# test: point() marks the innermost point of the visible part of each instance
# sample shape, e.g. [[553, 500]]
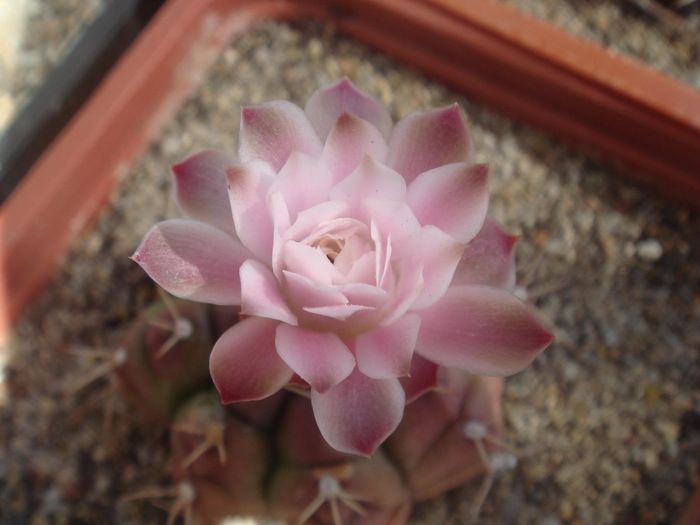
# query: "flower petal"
[[386, 351], [273, 130], [193, 260], [244, 363], [320, 358], [422, 377], [247, 190], [304, 182], [351, 140], [370, 180], [364, 294], [481, 330], [200, 183], [454, 198], [327, 103], [308, 261], [260, 293], [428, 139], [439, 255], [340, 312], [308, 221], [303, 291], [357, 415], [488, 259], [393, 218], [409, 285]]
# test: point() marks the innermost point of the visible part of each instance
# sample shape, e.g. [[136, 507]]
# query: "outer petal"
[[320, 358], [488, 259], [260, 293], [386, 351], [200, 183], [481, 330], [273, 130], [327, 103], [425, 140], [370, 180], [193, 260], [244, 364], [247, 190], [439, 255], [454, 198], [357, 415], [349, 142]]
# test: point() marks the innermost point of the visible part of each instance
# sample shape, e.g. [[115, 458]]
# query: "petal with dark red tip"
[[244, 363], [357, 415], [351, 140], [200, 188], [455, 198], [482, 330], [327, 103], [193, 260], [488, 259], [272, 131], [428, 139]]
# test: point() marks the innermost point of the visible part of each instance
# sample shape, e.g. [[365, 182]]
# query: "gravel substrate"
[[607, 419], [672, 48]]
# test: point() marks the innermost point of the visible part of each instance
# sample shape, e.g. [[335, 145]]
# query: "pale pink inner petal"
[[327, 103], [364, 294], [308, 221], [273, 130], [363, 270], [303, 291], [386, 351], [308, 261], [339, 312], [280, 225], [200, 181], [261, 295], [392, 218], [358, 414], [320, 358], [370, 180], [193, 260], [247, 189], [353, 249], [425, 140], [439, 255], [244, 363], [482, 330], [488, 259], [409, 284], [304, 181], [351, 140], [454, 198]]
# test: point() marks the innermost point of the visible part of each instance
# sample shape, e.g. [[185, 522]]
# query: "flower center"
[[330, 246]]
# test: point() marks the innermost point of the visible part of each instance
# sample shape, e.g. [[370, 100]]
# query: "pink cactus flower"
[[360, 253]]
